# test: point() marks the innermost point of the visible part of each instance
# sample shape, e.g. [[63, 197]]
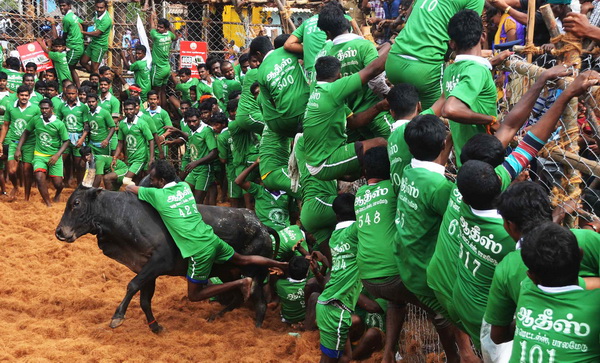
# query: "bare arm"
[[293, 45], [151, 147], [579, 25], [22, 139], [361, 119], [375, 67], [457, 111], [117, 153], [105, 142], [59, 153], [241, 179], [212, 155], [42, 44], [132, 188], [368, 304], [502, 334]]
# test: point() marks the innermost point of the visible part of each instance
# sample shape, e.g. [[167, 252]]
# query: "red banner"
[[191, 53], [32, 52]]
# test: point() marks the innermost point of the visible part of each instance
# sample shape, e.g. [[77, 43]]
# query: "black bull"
[[131, 232]]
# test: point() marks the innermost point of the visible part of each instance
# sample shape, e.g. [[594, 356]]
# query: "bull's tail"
[[275, 235]]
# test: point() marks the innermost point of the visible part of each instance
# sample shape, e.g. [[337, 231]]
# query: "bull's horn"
[[90, 174]]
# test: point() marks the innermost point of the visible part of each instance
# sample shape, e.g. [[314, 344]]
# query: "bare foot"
[[247, 288]]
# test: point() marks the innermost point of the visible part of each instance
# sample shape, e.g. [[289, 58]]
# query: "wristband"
[[507, 9], [593, 227], [494, 120]]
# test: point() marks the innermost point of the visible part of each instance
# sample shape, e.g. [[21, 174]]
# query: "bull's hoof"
[[156, 328], [116, 322], [213, 317]]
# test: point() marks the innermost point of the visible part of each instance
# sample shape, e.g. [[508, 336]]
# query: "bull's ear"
[[94, 192]]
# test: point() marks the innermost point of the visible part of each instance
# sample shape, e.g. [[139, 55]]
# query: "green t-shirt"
[[73, 117], [177, 207], [104, 24], [161, 46], [18, 119], [375, 208], [160, 118], [589, 242], [100, 121], [204, 88], [225, 149], [135, 137], [244, 143], [104, 162], [273, 210], [283, 87], [60, 65], [422, 200], [325, 119], [291, 295], [201, 142], [239, 75], [343, 285], [311, 186], [141, 75], [271, 150], [57, 103], [288, 239], [470, 80], [425, 35], [483, 244], [71, 27], [110, 104], [556, 326], [228, 86], [184, 88], [355, 53], [4, 96], [49, 136], [15, 79], [398, 153]]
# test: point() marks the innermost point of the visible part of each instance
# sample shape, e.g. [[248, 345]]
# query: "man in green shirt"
[[468, 85], [417, 56], [226, 151], [74, 114], [183, 87], [162, 38], [135, 138], [242, 67], [556, 319], [12, 70], [111, 175], [102, 127], [195, 239], [160, 119], [51, 140], [71, 28], [228, 84], [98, 47], [140, 69], [271, 206], [338, 300], [290, 290], [109, 102], [16, 117], [59, 58], [328, 155], [3, 101]]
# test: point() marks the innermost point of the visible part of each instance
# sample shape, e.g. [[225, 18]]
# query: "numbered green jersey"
[[49, 134], [289, 238], [375, 208], [161, 46], [398, 152], [100, 122], [135, 137], [470, 80], [74, 116], [15, 78], [422, 200], [556, 324], [344, 285], [425, 35], [272, 207], [177, 207], [283, 87]]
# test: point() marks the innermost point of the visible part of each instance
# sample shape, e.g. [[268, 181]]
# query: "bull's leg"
[[237, 300], [146, 294], [148, 273], [260, 302]]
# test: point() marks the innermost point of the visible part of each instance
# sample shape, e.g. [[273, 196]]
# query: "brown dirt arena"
[[56, 300]]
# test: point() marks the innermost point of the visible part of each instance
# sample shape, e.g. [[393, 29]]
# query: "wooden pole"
[[530, 27], [285, 17]]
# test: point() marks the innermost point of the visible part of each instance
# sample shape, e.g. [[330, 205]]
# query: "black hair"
[[105, 79], [483, 147], [244, 58], [465, 29], [298, 267], [91, 95], [28, 75], [51, 84], [71, 86], [280, 40], [129, 101], [13, 63], [201, 65], [152, 93], [403, 99], [86, 89], [59, 41], [327, 67], [254, 86], [189, 103], [39, 84], [376, 163], [101, 1], [104, 69], [343, 206], [68, 2], [94, 75], [210, 61], [3, 75], [225, 61], [47, 101], [164, 22], [186, 71], [191, 112], [552, 254], [53, 71], [232, 105], [85, 150], [88, 83], [260, 44], [526, 204], [31, 65], [332, 19], [425, 136], [164, 170], [23, 88], [479, 184], [205, 106], [136, 100], [234, 95], [141, 48], [218, 118]]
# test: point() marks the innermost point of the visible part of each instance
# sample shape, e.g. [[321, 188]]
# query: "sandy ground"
[[56, 300]]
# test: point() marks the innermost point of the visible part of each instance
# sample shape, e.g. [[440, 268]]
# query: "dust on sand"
[[56, 300]]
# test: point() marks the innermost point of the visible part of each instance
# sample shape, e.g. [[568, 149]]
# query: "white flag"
[[144, 41]]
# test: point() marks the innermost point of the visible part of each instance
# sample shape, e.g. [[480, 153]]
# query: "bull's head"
[[77, 218]]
